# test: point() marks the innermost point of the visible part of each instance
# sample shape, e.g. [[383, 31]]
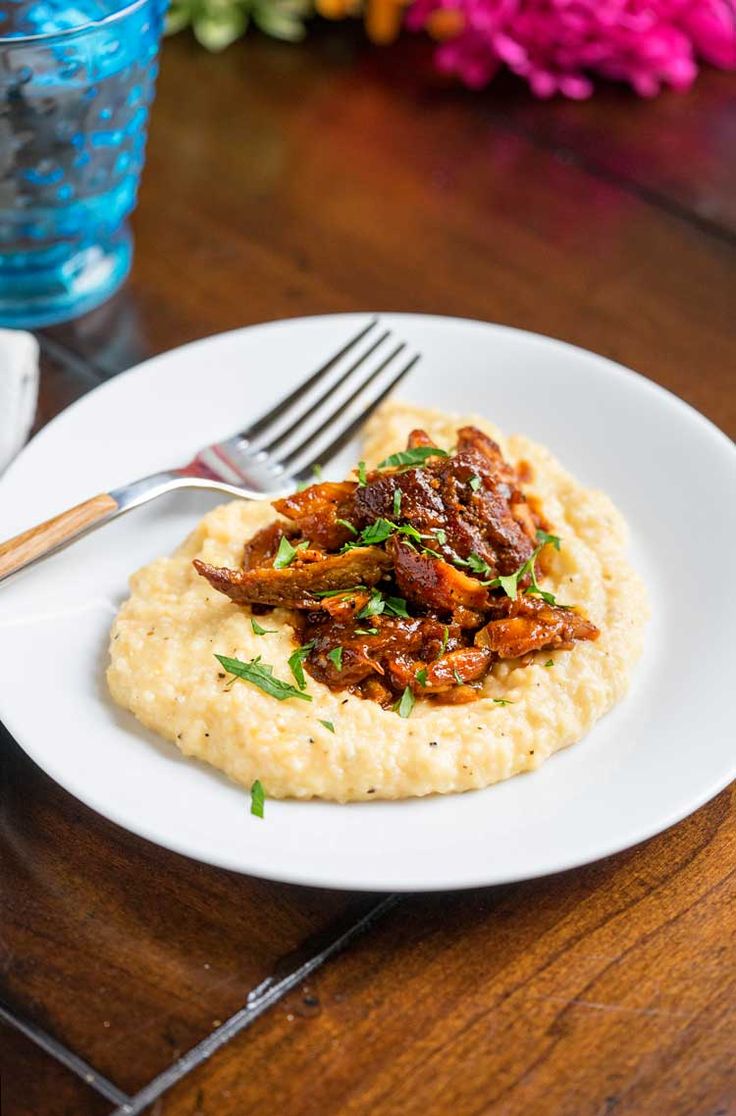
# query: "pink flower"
[[558, 45]]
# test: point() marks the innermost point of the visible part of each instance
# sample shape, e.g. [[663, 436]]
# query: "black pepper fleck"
[[371, 790], [433, 743]]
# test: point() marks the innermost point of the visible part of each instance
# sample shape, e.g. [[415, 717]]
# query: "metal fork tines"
[[316, 419]]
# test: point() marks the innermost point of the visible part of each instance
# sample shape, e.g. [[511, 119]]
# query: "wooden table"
[[333, 176]]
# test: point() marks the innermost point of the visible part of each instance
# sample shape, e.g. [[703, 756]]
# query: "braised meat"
[[533, 625], [417, 580], [316, 511], [296, 586]]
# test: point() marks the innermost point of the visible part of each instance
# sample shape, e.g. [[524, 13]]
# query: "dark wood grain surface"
[[334, 176], [32, 1081]]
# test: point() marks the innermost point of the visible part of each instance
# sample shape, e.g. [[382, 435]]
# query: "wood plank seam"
[[646, 194], [258, 1001], [50, 1045]]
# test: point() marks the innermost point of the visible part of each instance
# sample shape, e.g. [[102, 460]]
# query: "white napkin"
[[18, 390]]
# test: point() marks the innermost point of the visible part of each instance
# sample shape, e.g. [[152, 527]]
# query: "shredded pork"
[[394, 583]]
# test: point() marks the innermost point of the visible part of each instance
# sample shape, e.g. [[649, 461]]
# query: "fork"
[[282, 448]]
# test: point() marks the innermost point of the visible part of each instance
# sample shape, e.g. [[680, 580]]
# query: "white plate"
[[665, 750]]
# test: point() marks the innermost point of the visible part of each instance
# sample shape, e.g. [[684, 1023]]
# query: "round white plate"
[[665, 750]]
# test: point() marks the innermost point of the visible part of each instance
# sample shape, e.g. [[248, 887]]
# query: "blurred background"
[[339, 173]]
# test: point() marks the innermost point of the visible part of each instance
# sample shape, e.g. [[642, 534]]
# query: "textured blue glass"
[[76, 82]]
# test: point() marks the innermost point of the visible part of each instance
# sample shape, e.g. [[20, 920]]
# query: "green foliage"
[[218, 23]]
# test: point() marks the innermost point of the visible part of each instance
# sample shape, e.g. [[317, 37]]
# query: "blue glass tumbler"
[[76, 82]]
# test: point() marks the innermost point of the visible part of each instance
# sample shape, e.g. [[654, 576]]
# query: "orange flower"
[[383, 18]]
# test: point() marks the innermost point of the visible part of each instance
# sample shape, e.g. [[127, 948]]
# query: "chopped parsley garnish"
[[477, 565], [362, 475], [374, 607], [535, 588], [411, 532], [510, 582], [261, 675], [503, 701], [328, 725], [378, 532], [474, 483], [286, 553], [338, 592], [257, 799], [411, 457], [553, 540], [458, 679], [445, 637], [335, 656], [346, 523], [440, 535], [366, 631], [258, 630], [397, 501], [549, 663], [397, 606], [378, 604], [296, 659], [405, 704], [421, 676]]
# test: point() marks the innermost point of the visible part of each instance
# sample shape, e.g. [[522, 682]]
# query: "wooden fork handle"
[[55, 533]]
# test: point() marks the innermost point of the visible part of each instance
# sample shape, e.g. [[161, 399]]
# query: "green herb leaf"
[[411, 457], [477, 565], [474, 483], [445, 637], [338, 592], [335, 656], [346, 523], [257, 799], [458, 679], [258, 630], [503, 701], [261, 675], [397, 502], [328, 725], [553, 540], [374, 607], [548, 598], [440, 535], [535, 589], [296, 660], [421, 676], [396, 606], [549, 663], [411, 532], [317, 470], [366, 631], [286, 553], [405, 704], [362, 475], [510, 582], [377, 532]]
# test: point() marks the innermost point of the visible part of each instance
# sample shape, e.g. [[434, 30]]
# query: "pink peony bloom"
[[558, 45]]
